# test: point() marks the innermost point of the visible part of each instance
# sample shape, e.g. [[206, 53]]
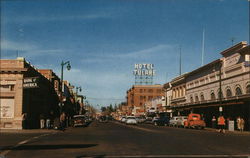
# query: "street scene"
[[115, 78]]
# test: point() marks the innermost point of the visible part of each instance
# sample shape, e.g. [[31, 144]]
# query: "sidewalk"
[[231, 132], [28, 131]]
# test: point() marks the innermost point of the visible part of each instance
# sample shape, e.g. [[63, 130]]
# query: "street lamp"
[[62, 90]]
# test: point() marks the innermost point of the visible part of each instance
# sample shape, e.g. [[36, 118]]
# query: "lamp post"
[[62, 84]]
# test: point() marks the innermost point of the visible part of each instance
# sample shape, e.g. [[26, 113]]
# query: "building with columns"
[[221, 87]]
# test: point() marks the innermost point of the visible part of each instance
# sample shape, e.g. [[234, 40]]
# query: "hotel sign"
[[31, 82], [144, 70]]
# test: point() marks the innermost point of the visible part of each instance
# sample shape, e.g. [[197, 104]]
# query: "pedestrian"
[[24, 120], [238, 122], [242, 124], [214, 122], [42, 121], [62, 121], [48, 123], [221, 124]]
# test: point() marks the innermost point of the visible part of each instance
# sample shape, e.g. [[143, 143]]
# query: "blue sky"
[[103, 39]]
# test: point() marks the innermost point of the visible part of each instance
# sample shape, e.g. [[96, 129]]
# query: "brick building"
[[138, 95]]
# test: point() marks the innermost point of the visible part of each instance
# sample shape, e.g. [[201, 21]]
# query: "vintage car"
[[79, 120], [194, 121]]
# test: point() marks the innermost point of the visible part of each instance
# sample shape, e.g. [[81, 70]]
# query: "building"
[[138, 95], [220, 87], [26, 95]]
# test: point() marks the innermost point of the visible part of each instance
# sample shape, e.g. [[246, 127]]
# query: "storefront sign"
[[31, 82]]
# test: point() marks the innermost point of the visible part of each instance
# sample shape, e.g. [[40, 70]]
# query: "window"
[[158, 90], [141, 90], [229, 93], [196, 98], [213, 96], [238, 91], [202, 97], [150, 90], [220, 94], [191, 99], [248, 89], [141, 97]]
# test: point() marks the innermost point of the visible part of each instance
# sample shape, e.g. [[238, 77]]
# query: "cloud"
[[27, 49], [146, 53]]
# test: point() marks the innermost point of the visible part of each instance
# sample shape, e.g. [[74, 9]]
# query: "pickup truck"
[[194, 121]]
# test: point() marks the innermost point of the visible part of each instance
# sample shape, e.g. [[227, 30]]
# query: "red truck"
[[194, 121]]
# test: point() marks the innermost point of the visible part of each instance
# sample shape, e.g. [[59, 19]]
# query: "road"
[[119, 140]]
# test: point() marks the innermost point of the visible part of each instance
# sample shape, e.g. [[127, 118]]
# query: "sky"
[[103, 39]]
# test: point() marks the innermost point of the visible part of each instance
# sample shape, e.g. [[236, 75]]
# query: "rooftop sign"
[[144, 70]]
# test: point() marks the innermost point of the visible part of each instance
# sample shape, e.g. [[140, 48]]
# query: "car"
[[79, 120], [131, 120], [148, 120], [103, 119], [124, 118], [173, 121], [161, 121], [181, 120], [140, 119], [194, 121]]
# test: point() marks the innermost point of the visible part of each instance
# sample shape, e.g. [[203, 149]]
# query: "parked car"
[[181, 120], [148, 120], [140, 119], [173, 121], [194, 121], [79, 120], [161, 121], [124, 118], [103, 119], [131, 120]]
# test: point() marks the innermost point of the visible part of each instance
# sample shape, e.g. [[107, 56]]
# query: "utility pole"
[[180, 61], [203, 48]]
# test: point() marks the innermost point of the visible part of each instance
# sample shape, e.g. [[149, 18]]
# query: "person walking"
[[221, 124], [242, 124], [213, 122], [42, 121], [238, 122], [62, 121]]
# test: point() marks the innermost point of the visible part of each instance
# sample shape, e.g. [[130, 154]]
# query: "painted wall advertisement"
[[6, 107]]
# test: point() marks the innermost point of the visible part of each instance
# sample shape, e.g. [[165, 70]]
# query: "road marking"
[[5, 152]]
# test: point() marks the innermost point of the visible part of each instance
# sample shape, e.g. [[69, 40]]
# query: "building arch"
[[228, 92], [191, 99], [196, 98], [220, 93], [238, 90], [212, 95], [248, 88], [202, 96]]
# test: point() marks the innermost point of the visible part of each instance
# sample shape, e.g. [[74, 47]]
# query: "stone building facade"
[[25, 96], [221, 87]]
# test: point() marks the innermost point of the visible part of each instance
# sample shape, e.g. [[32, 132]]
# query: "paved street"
[[114, 139]]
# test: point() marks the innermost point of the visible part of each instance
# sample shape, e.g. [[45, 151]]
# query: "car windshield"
[[124, 78]]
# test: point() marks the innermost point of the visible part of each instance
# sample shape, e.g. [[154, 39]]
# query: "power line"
[[92, 98]]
